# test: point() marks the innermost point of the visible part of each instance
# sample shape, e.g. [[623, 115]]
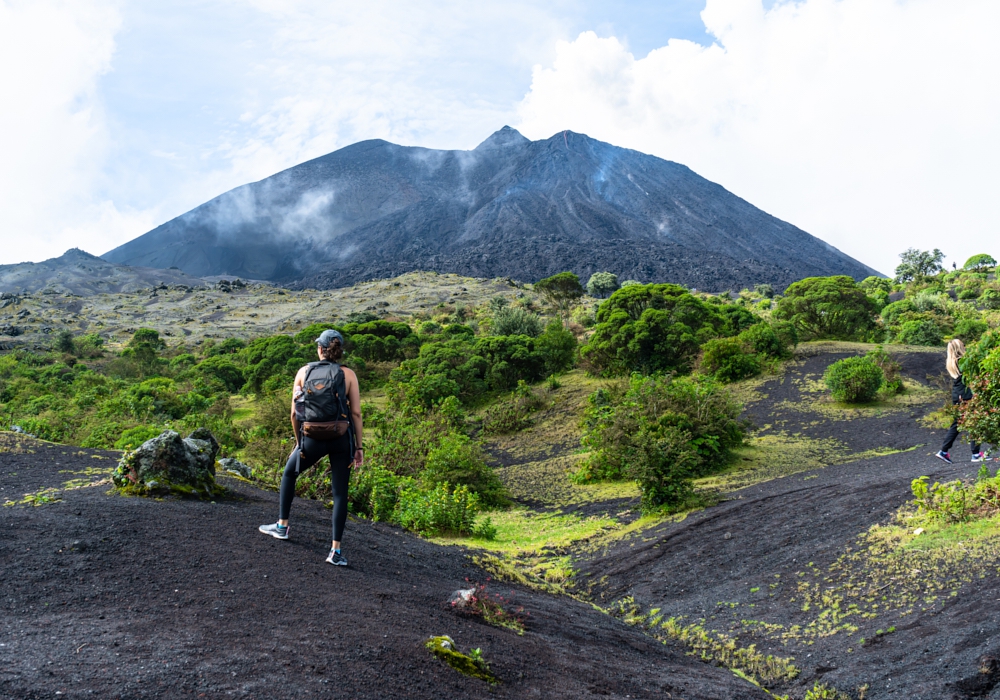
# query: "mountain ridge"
[[511, 207]]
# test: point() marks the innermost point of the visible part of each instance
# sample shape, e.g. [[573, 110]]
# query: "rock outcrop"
[[185, 466]]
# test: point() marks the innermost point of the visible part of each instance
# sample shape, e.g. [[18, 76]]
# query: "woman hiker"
[[324, 426], [959, 393]]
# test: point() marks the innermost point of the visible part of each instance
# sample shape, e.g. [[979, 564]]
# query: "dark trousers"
[[313, 451], [952, 435]]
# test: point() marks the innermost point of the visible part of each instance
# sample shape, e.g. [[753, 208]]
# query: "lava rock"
[[10, 330], [169, 462], [235, 466], [462, 597]]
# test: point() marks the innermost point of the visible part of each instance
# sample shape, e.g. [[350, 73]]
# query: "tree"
[[834, 308], [979, 263], [602, 284], [918, 264], [144, 346], [651, 328], [561, 289]]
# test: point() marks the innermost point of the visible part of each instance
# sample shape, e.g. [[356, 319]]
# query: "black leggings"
[[952, 435], [313, 451]]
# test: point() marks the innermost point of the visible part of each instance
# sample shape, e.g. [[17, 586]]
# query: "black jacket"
[[960, 392]]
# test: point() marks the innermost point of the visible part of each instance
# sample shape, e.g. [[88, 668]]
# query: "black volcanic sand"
[[113, 597], [697, 568]]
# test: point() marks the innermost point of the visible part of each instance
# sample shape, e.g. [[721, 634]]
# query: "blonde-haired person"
[[959, 393]]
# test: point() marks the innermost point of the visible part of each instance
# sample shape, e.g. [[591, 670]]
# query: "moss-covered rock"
[[171, 464], [472, 665]]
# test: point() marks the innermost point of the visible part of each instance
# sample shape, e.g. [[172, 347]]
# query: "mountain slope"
[[511, 207], [77, 272]]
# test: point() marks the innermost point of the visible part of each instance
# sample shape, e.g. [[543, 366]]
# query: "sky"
[[872, 124]]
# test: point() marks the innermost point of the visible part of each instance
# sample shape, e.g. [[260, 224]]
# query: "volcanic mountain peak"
[[510, 207]]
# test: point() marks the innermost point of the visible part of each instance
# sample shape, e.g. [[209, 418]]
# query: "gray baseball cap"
[[327, 337]]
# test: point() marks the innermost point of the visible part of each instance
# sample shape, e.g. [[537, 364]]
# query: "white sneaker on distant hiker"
[[275, 530], [945, 456], [979, 456]]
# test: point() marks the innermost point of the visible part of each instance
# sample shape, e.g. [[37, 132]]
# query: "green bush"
[[919, 333], [892, 383], [650, 328], [514, 320], [557, 346], [834, 308], [764, 339], [854, 380], [439, 511], [990, 298], [894, 313], [970, 329], [459, 461], [374, 492], [661, 431], [730, 359], [133, 437]]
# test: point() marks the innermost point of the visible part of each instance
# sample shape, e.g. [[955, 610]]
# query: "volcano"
[[511, 207]]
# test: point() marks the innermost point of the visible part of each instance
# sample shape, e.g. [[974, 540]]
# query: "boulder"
[[235, 466], [169, 462]]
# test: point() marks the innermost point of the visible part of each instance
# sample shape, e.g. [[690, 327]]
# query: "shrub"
[[459, 461], [892, 384], [729, 359], [602, 284], [133, 437], [64, 342], [927, 300], [222, 368], [739, 318], [854, 380], [990, 298], [89, 346], [630, 283], [765, 290], [893, 313], [919, 333], [661, 431], [834, 308], [762, 338], [374, 492], [514, 320], [557, 346], [650, 328], [981, 367], [970, 329], [440, 511]]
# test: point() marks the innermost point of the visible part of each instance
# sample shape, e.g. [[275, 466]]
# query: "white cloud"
[[869, 123], [52, 130]]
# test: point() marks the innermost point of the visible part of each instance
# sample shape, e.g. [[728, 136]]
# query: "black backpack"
[[322, 409]]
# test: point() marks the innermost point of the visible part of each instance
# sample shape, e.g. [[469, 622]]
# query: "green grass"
[[522, 531]]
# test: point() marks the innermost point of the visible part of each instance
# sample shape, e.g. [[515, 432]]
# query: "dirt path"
[[112, 597]]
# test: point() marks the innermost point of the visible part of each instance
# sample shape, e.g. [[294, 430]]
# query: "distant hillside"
[[77, 272], [510, 208]]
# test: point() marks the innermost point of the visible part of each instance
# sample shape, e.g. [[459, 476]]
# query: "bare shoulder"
[[349, 374], [300, 376]]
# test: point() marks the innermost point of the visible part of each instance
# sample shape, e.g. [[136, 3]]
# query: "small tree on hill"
[[561, 289], [979, 263], [602, 284], [918, 264]]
